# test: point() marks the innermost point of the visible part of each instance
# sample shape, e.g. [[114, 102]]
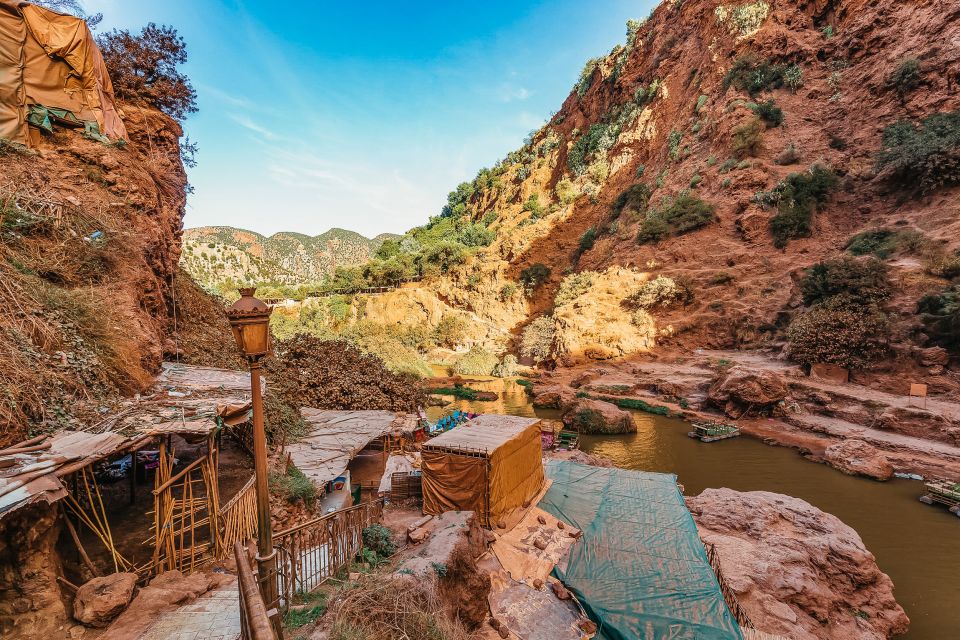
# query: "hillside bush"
[[941, 315], [797, 197], [507, 367], [862, 281], [944, 265], [922, 158], [573, 286], [534, 275], [586, 76], [566, 191], [753, 76], [294, 486], [660, 293], [587, 240], [144, 68], [445, 255], [451, 331], [507, 291], [532, 204], [476, 235], [906, 76], [634, 198], [673, 144], [839, 332], [747, 139], [457, 200], [475, 362], [537, 339], [882, 243], [793, 77], [675, 216], [597, 138], [769, 112]]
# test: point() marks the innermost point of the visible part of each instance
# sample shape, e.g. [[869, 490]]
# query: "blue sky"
[[363, 115]]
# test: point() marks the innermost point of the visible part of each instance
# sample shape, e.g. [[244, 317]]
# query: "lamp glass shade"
[[250, 323]]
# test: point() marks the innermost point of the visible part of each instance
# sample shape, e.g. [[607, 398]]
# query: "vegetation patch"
[[921, 158], [537, 340], [634, 198], [862, 282], [839, 332], [475, 362], [882, 243], [660, 293], [573, 286], [940, 313], [294, 486], [747, 138], [534, 276], [905, 77], [675, 216], [797, 197], [769, 112], [753, 76]]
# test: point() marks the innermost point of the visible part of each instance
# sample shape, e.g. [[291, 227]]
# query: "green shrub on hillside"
[[906, 76], [882, 243], [793, 77], [537, 339], [597, 138], [476, 362], [941, 315], [586, 76], [534, 275], [675, 216], [839, 332], [294, 486], [457, 200], [507, 367], [634, 198], [660, 293], [797, 197], [587, 240], [944, 265], [476, 235], [451, 331], [769, 112], [747, 139], [922, 158], [507, 291], [863, 281], [445, 255], [566, 191], [573, 286], [533, 205], [753, 76]]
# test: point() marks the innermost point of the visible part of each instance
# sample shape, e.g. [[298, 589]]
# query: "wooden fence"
[[731, 598], [310, 553], [255, 621], [238, 518]]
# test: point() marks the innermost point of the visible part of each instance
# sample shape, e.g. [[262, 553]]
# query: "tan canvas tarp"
[[51, 59], [491, 465]]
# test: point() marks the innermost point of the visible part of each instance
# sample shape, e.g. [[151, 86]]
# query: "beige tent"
[[491, 465], [51, 60]]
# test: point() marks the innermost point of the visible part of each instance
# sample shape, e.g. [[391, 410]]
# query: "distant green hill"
[[218, 255]]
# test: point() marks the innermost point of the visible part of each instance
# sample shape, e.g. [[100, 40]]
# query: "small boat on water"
[[713, 431]]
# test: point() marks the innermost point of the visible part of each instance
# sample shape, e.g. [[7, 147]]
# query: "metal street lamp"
[[250, 323]]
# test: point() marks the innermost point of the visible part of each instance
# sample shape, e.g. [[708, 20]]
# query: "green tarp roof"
[[640, 570]]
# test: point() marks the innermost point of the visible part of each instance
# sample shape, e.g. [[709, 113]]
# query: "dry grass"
[[393, 608]]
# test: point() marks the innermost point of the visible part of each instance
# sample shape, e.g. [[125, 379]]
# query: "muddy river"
[[917, 545]]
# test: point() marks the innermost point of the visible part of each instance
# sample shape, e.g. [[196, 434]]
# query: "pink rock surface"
[[797, 571], [856, 457]]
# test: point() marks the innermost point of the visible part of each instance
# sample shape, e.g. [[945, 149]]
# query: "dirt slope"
[[89, 247]]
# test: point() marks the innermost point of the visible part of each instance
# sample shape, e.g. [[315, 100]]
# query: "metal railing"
[[731, 598], [255, 621], [309, 553]]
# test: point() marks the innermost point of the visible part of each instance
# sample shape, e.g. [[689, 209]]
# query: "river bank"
[[913, 543]]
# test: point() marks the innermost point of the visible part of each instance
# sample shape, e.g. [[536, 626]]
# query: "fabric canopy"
[[491, 465], [640, 569], [51, 59]]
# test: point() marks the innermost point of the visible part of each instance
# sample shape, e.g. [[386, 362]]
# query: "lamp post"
[[250, 323]]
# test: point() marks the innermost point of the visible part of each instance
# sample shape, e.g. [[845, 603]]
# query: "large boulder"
[[798, 572], [934, 356], [598, 417], [554, 396], [856, 457], [742, 389], [102, 599]]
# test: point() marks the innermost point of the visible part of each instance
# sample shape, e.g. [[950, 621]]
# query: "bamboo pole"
[[76, 540]]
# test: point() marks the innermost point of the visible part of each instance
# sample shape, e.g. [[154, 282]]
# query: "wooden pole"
[[266, 555], [76, 540]]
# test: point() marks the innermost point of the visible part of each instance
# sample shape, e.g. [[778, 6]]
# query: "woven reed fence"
[[238, 519], [731, 598]]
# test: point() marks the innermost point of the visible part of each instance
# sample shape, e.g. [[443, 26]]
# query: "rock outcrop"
[[554, 396], [741, 390], [102, 599], [797, 571], [856, 457], [598, 417]]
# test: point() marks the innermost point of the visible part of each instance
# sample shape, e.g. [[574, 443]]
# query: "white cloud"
[[247, 123]]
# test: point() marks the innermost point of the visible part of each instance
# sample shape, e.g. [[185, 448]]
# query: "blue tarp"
[[640, 570]]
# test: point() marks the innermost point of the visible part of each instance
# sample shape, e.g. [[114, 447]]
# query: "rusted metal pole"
[[266, 556]]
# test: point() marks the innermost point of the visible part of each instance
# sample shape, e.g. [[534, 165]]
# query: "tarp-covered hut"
[[491, 465], [51, 69]]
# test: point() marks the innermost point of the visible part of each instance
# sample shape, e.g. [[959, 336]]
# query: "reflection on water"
[[916, 544]]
